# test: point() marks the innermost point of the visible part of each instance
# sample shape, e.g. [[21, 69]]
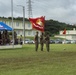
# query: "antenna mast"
[[29, 8]]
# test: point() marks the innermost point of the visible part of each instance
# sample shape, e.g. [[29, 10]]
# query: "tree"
[[53, 27]]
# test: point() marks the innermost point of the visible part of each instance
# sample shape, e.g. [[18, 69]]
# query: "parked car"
[[58, 41], [66, 41], [52, 41], [31, 42], [73, 41], [28, 41]]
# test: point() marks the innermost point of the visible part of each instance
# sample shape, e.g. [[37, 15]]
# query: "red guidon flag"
[[38, 23], [64, 32]]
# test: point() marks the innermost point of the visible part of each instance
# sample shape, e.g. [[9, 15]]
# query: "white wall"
[[69, 31]]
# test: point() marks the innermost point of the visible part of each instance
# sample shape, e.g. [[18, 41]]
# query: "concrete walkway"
[[10, 46]]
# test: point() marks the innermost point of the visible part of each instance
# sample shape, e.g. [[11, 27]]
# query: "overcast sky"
[[60, 10]]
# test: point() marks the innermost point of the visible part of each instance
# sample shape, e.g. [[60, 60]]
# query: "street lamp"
[[12, 21], [23, 21]]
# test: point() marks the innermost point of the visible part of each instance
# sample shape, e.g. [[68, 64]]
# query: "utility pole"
[[12, 22], [23, 21]]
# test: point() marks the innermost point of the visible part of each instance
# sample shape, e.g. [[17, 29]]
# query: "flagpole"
[[12, 22]]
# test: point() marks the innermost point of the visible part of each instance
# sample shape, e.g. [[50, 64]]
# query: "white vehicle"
[[28, 41], [73, 41], [31, 41], [66, 41]]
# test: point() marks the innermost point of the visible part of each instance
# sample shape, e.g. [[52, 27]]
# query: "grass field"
[[61, 60]]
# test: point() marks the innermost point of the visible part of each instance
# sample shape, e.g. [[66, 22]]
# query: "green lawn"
[[61, 60]]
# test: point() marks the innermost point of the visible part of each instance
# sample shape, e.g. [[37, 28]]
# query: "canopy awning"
[[3, 26]]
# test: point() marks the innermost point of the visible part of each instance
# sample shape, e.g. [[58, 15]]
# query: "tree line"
[[53, 27]]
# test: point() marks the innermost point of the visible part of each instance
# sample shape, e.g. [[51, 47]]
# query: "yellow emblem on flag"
[[39, 22]]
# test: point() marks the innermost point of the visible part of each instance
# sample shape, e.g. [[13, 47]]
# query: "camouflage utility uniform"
[[36, 41], [47, 40], [41, 41]]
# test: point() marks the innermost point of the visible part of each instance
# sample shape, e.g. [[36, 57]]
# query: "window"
[[34, 32], [28, 25], [17, 24], [10, 24], [29, 33], [18, 32]]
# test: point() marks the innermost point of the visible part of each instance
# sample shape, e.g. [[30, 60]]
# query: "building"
[[70, 34], [18, 27]]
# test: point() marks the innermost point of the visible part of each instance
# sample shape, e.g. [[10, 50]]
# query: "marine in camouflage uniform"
[[41, 41], [47, 41], [21, 40], [36, 41]]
